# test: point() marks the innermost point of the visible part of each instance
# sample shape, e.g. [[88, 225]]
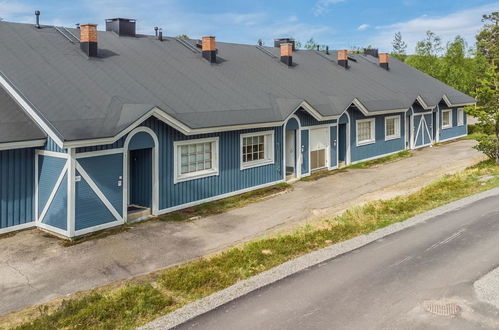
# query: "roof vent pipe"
[[78, 25], [37, 16], [327, 50], [383, 60], [287, 53], [156, 31], [343, 58], [88, 39], [160, 35], [209, 49]]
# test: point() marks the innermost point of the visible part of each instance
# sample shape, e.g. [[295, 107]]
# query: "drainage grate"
[[442, 309]]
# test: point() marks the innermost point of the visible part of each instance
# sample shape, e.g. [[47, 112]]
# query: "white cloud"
[[363, 27], [322, 6], [464, 22], [9, 10]]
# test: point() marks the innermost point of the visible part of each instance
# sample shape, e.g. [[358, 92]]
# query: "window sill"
[[364, 143], [394, 137], [446, 127], [245, 166], [194, 176]]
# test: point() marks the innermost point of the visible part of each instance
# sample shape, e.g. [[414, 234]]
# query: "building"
[[101, 127]]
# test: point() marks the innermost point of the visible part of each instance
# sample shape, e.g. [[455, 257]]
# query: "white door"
[[290, 149], [319, 146]]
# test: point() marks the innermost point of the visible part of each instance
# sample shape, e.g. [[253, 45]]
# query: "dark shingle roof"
[[99, 97], [15, 125]]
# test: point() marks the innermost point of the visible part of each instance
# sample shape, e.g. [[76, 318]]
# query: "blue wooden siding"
[[90, 211], [305, 166], [50, 145], [106, 172], [141, 140], [380, 147], [17, 178], [57, 213], [454, 131], [306, 119], [428, 136], [49, 169], [333, 146], [141, 177]]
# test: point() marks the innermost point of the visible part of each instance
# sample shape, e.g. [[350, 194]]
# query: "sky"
[[336, 23]]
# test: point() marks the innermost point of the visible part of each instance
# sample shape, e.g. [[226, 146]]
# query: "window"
[[257, 149], [365, 132], [392, 127], [460, 117], [195, 159], [446, 118]]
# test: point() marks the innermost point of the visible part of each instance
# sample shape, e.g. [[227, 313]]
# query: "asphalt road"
[[390, 283]]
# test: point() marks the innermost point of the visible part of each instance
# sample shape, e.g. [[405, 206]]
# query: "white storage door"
[[319, 139]]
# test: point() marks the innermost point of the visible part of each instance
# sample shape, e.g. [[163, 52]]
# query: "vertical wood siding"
[[454, 131], [49, 169], [17, 178]]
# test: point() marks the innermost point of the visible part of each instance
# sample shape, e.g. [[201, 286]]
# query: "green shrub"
[[488, 145]]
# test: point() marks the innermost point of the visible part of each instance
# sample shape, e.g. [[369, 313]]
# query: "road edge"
[[291, 267]]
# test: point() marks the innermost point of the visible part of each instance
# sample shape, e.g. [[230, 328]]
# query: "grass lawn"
[[135, 302]]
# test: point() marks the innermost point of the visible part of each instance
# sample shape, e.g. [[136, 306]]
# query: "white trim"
[[36, 185], [31, 112], [52, 154], [317, 126], [99, 153], [453, 138], [155, 170], [99, 227], [26, 225], [397, 128], [376, 157], [22, 144], [53, 229], [53, 192], [422, 113], [422, 102], [372, 140], [178, 177], [269, 154], [214, 198], [449, 103], [71, 192], [450, 118], [298, 153], [97, 191]]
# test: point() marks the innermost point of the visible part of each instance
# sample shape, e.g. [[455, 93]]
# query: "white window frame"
[[269, 149], [179, 177], [460, 117], [397, 128], [372, 121], [450, 118]]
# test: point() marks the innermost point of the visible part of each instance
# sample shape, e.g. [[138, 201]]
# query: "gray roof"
[[15, 125], [86, 98]]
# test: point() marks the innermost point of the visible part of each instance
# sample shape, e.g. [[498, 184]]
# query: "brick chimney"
[[343, 58], [287, 53], [209, 47], [383, 60], [88, 39]]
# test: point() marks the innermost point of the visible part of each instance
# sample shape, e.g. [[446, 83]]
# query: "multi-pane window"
[[446, 118], [392, 127], [257, 149], [253, 148], [460, 117], [365, 131], [195, 159]]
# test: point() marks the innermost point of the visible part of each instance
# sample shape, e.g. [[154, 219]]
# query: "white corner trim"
[[25, 225], [22, 144], [215, 155], [53, 192], [99, 153], [98, 192], [71, 197], [372, 140], [269, 154], [31, 112], [99, 227]]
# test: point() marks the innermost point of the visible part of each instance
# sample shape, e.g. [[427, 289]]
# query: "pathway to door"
[[35, 268]]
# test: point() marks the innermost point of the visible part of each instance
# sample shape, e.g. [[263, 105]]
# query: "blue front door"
[[141, 177]]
